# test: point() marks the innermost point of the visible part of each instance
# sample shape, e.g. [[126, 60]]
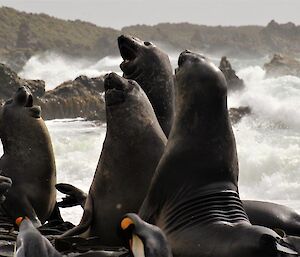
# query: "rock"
[[10, 82], [281, 65], [233, 81], [236, 114], [81, 97]]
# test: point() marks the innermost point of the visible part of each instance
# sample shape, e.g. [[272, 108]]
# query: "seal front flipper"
[[74, 196], [85, 222]]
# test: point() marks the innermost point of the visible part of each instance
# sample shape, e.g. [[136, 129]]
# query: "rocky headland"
[[281, 65], [23, 35]]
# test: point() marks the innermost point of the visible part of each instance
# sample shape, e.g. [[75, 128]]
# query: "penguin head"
[[144, 239]]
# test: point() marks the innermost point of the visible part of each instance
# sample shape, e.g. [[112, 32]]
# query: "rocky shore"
[[82, 97]]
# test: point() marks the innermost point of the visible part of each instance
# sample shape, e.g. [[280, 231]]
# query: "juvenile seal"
[[150, 67], [132, 148], [28, 160], [194, 196]]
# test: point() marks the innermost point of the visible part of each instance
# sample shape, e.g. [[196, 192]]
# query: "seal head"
[[150, 67]]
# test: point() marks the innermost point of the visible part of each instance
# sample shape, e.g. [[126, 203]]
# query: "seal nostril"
[[29, 101], [147, 43]]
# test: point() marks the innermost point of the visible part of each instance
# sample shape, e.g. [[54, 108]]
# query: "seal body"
[[151, 68], [132, 148], [274, 216], [28, 160], [194, 196]]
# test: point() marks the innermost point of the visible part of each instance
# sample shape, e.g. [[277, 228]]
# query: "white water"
[[268, 141], [55, 69]]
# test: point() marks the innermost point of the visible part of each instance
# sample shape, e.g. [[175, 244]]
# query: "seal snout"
[[113, 81], [23, 97], [115, 87], [127, 46], [187, 55]]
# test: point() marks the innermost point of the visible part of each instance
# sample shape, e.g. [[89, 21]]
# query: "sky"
[[120, 13]]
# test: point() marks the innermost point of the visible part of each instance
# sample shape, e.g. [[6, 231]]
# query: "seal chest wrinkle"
[[194, 196]]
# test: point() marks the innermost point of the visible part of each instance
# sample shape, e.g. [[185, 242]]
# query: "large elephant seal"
[[272, 215], [28, 160], [194, 196], [132, 148], [151, 68]]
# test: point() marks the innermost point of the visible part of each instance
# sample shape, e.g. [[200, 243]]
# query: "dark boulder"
[[233, 81], [81, 97], [236, 114]]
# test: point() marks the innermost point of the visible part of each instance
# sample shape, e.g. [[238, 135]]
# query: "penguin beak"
[[285, 249]]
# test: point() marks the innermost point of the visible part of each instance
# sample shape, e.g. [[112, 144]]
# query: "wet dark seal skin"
[[150, 67], [132, 148], [144, 239], [28, 160], [5, 184], [272, 215], [194, 196]]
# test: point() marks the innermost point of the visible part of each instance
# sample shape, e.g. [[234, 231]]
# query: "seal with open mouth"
[[151, 68], [28, 160], [132, 148], [194, 196]]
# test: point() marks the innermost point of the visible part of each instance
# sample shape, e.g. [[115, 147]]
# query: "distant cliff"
[[23, 35]]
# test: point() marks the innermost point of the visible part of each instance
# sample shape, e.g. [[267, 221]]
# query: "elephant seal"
[[150, 67], [28, 160], [30, 243], [131, 150], [143, 238], [193, 196], [274, 216]]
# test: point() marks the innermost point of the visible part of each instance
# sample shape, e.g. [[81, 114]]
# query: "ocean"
[[268, 140]]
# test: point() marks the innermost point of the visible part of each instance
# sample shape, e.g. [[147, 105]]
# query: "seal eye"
[[147, 43]]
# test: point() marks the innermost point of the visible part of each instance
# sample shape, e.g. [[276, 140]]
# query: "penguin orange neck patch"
[[126, 223]]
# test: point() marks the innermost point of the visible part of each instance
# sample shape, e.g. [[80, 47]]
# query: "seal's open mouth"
[[115, 87], [129, 47]]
